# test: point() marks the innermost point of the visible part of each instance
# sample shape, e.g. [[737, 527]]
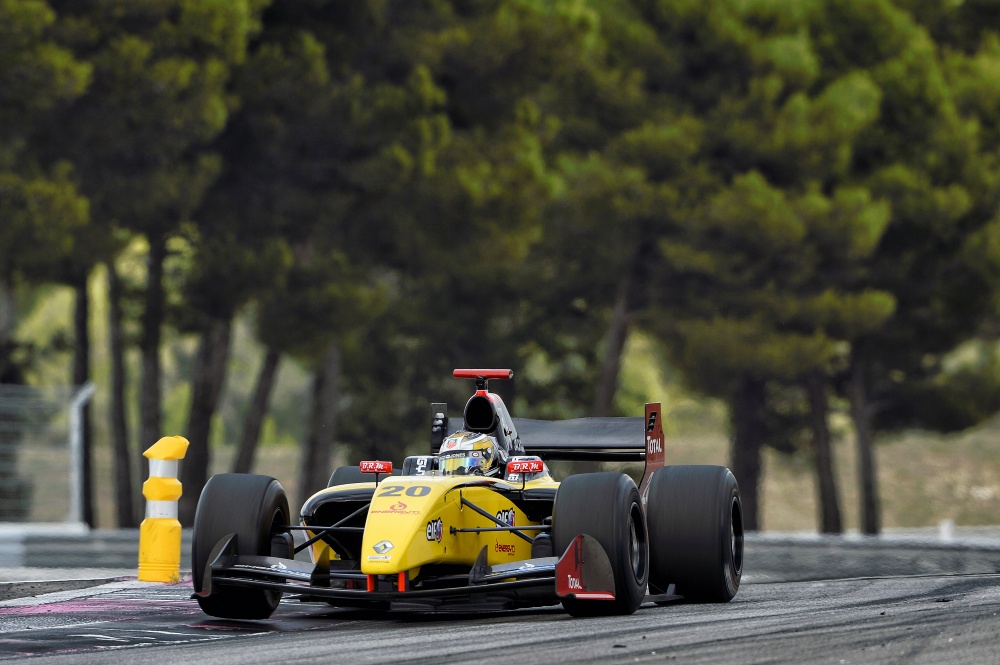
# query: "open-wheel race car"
[[479, 523]]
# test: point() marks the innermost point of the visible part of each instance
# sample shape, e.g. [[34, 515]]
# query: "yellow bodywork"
[[404, 513]]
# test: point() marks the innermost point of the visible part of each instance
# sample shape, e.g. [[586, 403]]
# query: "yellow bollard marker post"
[[160, 532]]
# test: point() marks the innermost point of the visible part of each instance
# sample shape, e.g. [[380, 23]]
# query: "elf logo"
[[573, 583], [506, 517], [652, 422], [435, 530]]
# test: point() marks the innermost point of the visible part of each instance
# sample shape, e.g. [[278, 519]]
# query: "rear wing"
[[603, 439], [598, 439], [580, 439]]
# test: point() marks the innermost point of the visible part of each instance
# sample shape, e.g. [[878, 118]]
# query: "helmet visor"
[[461, 465]]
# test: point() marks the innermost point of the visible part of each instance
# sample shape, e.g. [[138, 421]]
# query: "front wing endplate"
[[584, 571]]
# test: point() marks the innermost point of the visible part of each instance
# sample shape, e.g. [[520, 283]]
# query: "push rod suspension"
[[507, 527]]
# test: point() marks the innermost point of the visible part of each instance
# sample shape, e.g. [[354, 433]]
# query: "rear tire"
[[254, 508], [605, 506], [695, 532]]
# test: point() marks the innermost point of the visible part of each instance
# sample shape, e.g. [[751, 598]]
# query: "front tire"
[[254, 508], [695, 522], [605, 506]]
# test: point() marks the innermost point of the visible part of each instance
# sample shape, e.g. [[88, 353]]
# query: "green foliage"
[[40, 217], [158, 97], [39, 204], [36, 74], [762, 188], [952, 395]]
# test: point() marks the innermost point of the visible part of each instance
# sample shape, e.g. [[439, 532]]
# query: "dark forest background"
[[795, 203]]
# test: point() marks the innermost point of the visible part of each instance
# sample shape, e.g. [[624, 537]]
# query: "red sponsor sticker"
[[503, 548], [525, 466], [375, 467]]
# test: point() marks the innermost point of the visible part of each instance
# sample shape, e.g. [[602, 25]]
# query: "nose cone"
[[397, 536]]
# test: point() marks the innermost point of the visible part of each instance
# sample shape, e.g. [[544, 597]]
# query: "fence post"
[[77, 499], [160, 532]]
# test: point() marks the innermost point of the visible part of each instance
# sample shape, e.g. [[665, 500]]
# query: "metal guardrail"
[[769, 557], [53, 547]]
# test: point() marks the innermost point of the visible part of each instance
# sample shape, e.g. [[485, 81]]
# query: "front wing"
[[583, 571]]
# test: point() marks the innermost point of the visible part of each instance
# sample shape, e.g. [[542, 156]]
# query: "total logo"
[[655, 445], [573, 583], [435, 530], [506, 517]]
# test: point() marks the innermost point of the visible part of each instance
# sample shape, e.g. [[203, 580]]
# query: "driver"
[[470, 453]]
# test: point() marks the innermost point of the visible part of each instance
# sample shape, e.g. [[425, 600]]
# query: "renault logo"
[[382, 547]]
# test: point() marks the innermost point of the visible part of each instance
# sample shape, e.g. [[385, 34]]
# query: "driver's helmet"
[[467, 453]]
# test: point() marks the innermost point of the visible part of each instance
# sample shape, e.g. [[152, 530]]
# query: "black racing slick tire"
[[352, 474], [607, 507], [695, 523], [254, 508]]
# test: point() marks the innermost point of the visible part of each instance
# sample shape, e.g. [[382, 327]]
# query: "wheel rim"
[[736, 535], [637, 550], [633, 547]]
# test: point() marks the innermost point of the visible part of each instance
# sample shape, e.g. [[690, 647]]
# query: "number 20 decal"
[[412, 490]]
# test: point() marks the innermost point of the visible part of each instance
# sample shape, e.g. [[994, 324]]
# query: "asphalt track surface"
[[910, 619]]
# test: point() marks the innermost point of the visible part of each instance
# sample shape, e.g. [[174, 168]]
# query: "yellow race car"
[[480, 523]]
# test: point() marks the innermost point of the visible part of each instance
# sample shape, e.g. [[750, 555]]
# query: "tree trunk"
[[867, 474], [209, 375], [152, 320], [123, 457], [15, 491], [614, 345], [826, 480], [81, 375], [254, 418], [9, 372], [749, 431], [315, 467], [629, 301]]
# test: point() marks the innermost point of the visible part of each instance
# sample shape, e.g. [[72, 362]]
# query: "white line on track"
[[61, 596]]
